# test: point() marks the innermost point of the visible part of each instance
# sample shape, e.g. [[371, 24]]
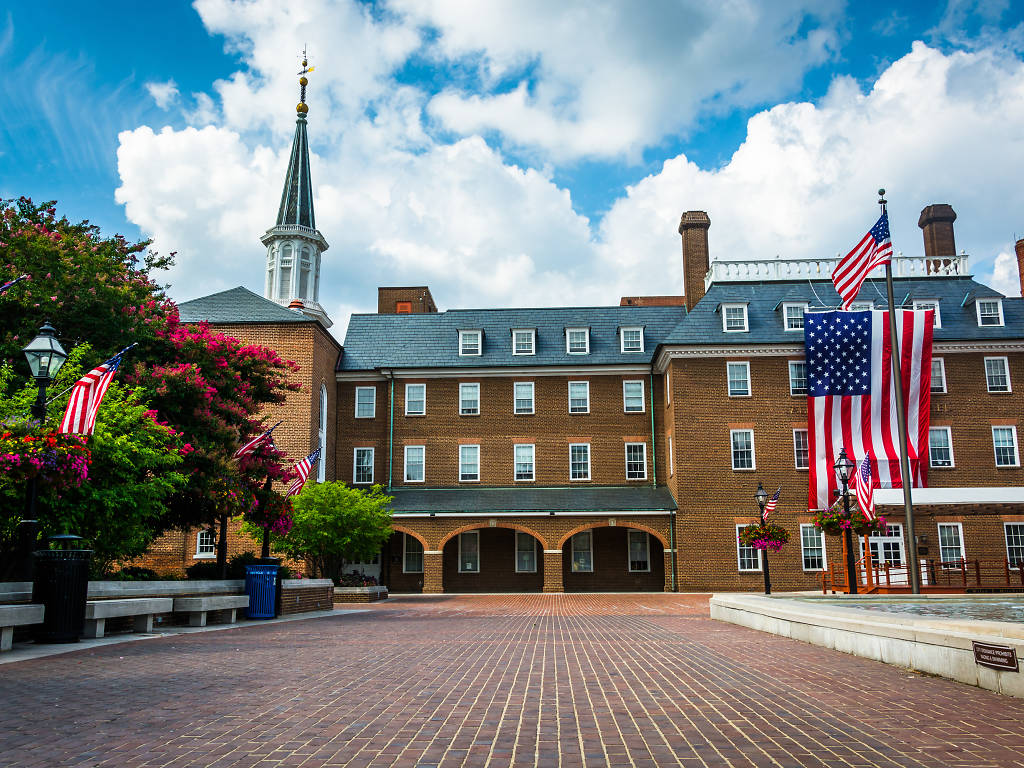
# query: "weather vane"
[[303, 82]]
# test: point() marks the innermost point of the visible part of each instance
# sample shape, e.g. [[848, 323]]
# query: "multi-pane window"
[[801, 450], [742, 448], [997, 374], [582, 552], [931, 304], [739, 379], [636, 461], [469, 463], [415, 399], [469, 342], [639, 551], [206, 543], [403, 307], [887, 547], [747, 558], [579, 397], [469, 399], [797, 377], [523, 396], [671, 458], [951, 542], [469, 552], [579, 461], [940, 447], [938, 375], [414, 469], [812, 547], [577, 341], [524, 341], [794, 314], [632, 339], [366, 402], [633, 396], [1004, 440], [523, 460], [1014, 543], [362, 471], [668, 387], [734, 317], [990, 312], [412, 560], [526, 553]]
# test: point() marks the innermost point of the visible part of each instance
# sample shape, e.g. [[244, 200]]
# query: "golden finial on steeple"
[[302, 109]]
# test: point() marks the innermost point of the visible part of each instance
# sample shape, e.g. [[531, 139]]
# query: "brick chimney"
[[693, 226], [936, 223], [1019, 248]]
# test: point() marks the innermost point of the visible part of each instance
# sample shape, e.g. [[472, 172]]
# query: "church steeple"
[[294, 244]]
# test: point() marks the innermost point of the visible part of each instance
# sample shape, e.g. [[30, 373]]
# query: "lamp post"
[[45, 357], [844, 467], [761, 496]]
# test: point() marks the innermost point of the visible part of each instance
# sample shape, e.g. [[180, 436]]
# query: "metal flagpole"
[[901, 417]]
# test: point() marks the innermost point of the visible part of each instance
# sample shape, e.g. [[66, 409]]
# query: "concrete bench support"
[[12, 616], [198, 607], [98, 611]]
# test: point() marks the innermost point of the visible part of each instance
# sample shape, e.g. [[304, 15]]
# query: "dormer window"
[[631, 339], [793, 316], [577, 341], [524, 341], [990, 312], [734, 318], [470, 343], [930, 304]]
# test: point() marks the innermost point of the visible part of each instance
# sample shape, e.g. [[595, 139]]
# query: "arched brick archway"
[[630, 524], [410, 532], [500, 524], [494, 546]]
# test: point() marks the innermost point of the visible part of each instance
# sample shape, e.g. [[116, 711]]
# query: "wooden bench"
[[12, 616], [142, 608], [198, 607]]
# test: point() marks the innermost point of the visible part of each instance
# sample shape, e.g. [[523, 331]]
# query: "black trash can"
[[261, 587], [61, 584]]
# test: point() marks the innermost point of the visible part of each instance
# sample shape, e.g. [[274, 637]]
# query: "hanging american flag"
[[86, 396], [770, 506], [5, 286], [851, 398], [303, 468], [875, 248], [256, 442], [863, 487]]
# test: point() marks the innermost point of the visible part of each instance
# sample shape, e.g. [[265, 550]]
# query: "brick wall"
[[417, 296], [303, 599]]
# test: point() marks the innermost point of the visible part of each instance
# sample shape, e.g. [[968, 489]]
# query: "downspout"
[[391, 426]]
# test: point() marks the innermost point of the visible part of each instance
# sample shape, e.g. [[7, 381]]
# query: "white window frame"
[[533, 341], [1006, 370], [785, 315], [930, 304], [423, 464], [1006, 539], [464, 385], [202, 554], [587, 385], [373, 402], [803, 555], [732, 451], [739, 560], [942, 367], [355, 464], [725, 314], [622, 339], [321, 466], [643, 449], [405, 554], [728, 379], [579, 479], [668, 386], [515, 545], [1016, 445], [533, 463], [807, 441], [647, 549], [960, 538], [416, 413], [466, 334], [461, 473], [590, 550], [643, 398], [949, 440], [671, 458], [462, 568], [792, 391], [999, 306], [586, 339], [515, 398]]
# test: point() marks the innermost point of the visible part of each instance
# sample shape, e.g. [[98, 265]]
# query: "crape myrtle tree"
[[203, 391]]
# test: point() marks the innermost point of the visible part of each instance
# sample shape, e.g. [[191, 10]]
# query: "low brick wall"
[[304, 595], [360, 594]]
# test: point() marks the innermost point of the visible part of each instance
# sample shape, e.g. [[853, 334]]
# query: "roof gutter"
[[524, 513]]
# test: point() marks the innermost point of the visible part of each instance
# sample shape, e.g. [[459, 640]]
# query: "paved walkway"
[[519, 680]]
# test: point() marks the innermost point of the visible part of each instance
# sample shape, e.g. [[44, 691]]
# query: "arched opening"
[[613, 559], [401, 561], [493, 559]]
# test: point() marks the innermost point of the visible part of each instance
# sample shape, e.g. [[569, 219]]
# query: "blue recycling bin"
[[261, 587]]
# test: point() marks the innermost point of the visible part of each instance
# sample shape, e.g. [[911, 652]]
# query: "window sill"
[[745, 469], [366, 417], [415, 415], [1000, 392], [211, 556], [944, 466], [525, 413], [735, 397], [470, 414]]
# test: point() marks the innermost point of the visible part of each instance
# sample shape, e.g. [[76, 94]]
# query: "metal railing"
[[936, 576]]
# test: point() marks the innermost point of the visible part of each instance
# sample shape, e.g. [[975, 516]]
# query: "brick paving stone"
[[501, 680]]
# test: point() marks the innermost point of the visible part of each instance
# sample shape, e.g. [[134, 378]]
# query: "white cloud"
[[164, 94], [1005, 276]]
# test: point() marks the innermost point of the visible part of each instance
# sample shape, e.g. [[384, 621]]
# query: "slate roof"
[[431, 340], [703, 325], [237, 305], [575, 499]]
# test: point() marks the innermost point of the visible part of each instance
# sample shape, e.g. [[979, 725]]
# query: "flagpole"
[[901, 417]]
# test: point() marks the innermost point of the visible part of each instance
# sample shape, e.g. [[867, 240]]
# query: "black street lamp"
[[844, 468], [761, 496], [45, 357]]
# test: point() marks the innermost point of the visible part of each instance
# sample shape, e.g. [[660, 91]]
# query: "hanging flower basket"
[[835, 520], [55, 460], [764, 536]]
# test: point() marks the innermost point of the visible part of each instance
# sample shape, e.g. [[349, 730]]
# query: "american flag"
[[86, 396], [256, 442], [851, 398], [770, 506], [5, 286], [863, 487], [303, 468], [875, 248]]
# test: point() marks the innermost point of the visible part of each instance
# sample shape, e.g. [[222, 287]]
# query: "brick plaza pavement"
[[517, 680]]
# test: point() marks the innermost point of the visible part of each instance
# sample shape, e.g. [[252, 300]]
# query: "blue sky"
[[502, 154]]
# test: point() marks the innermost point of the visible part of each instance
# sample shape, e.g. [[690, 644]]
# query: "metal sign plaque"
[[996, 656]]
